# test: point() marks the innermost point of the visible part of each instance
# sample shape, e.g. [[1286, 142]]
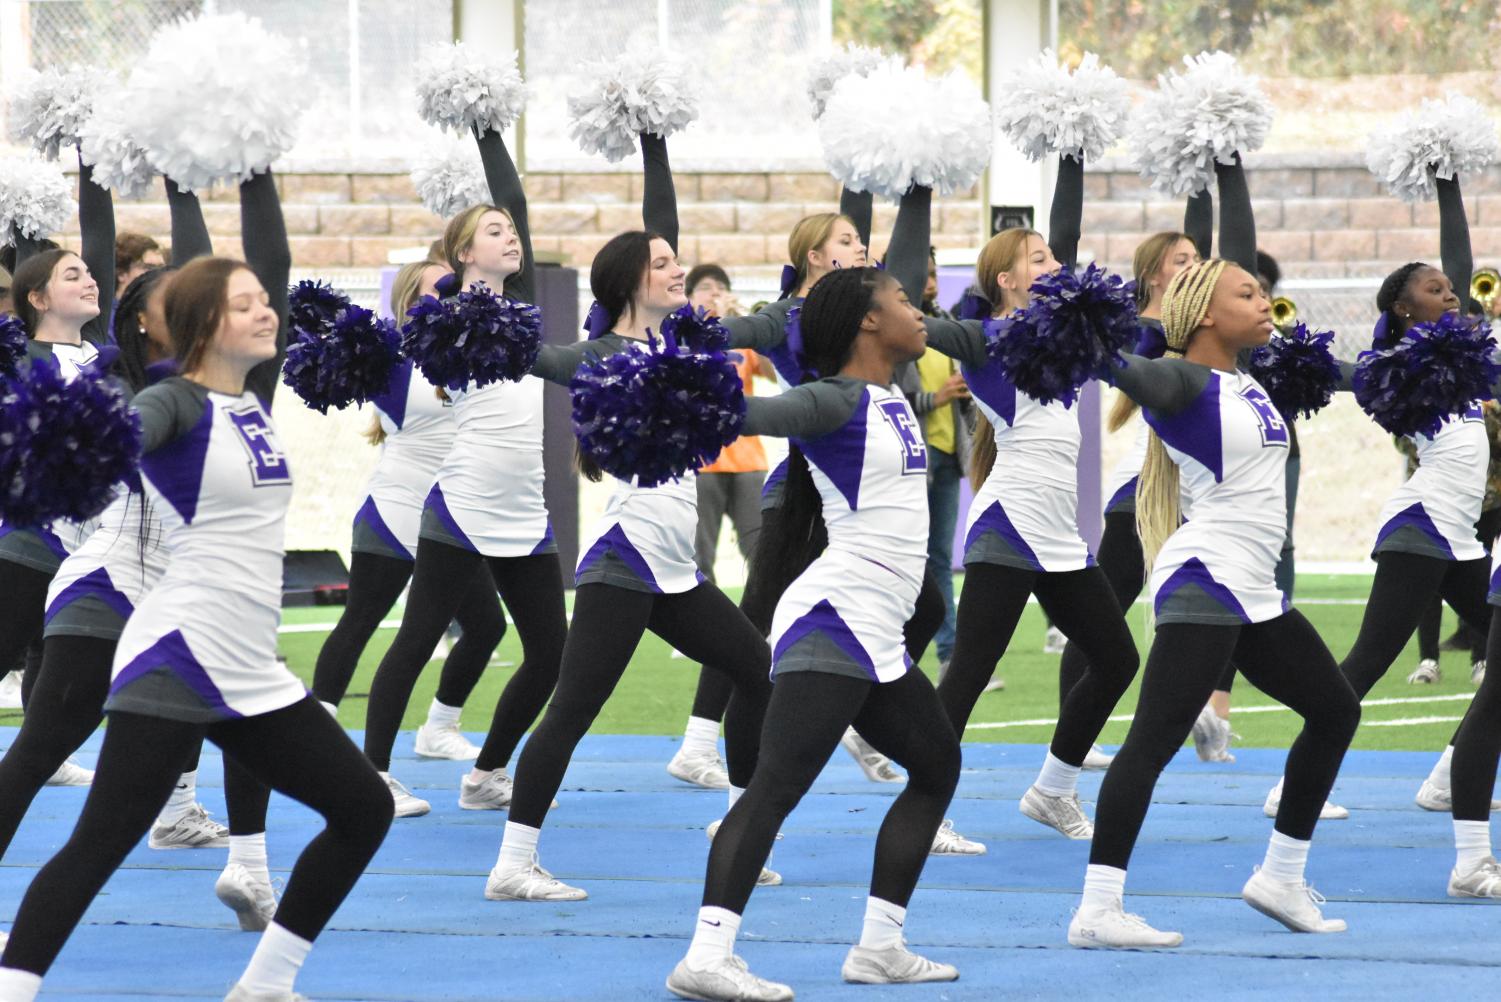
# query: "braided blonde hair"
[[1184, 305]]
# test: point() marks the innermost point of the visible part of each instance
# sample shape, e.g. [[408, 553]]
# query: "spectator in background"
[[135, 254]]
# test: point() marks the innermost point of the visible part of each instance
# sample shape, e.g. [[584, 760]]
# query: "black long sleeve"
[[1164, 385], [190, 237], [1198, 222], [264, 233], [96, 220], [1454, 239], [911, 235], [808, 411], [506, 191], [1237, 221], [961, 340], [1066, 218], [25, 246], [859, 206], [659, 197]]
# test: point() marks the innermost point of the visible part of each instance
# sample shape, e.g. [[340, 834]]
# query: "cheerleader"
[[636, 569], [858, 464], [198, 656], [483, 528], [1215, 595]]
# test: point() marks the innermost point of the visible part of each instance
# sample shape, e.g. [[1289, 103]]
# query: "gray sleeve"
[[1165, 385], [963, 340], [808, 411], [168, 410], [557, 363], [760, 331]]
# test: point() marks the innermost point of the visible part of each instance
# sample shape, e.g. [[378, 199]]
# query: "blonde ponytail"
[[981, 451]]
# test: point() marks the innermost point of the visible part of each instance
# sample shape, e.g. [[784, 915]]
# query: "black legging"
[[453, 583], [375, 583], [1084, 606], [607, 625], [1121, 561], [1284, 658], [808, 714], [1472, 773], [21, 613], [299, 751], [65, 707]]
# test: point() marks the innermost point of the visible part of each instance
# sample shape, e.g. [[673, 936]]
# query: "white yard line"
[[1126, 718]]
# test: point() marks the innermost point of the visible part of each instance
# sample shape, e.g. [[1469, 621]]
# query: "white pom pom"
[[642, 90], [933, 132], [1444, 138], [215, 98], [852, 60], [119, 164], [1203, 115], [48, 108], [35, 198], [451, 180], [462, 88], [1048, 110]]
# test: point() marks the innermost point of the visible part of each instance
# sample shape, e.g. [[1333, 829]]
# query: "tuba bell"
[[1284, 312], [1485, 286]]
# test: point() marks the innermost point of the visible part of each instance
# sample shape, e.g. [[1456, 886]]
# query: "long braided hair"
[[1158, 508]]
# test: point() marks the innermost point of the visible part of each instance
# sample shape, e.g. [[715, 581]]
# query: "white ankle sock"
[[1104, 886], [439, 715], [332, 708], [277, 959], [1285, 858], [184, 795], [883, 924], [478, 776], [736, 792], [517, 847], [1439, 777], [713, 937], [249, 851], [1472, 843], [19, 986], [701, 736], [1057, 778]]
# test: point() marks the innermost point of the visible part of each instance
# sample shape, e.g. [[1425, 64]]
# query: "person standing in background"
[[135, 254]]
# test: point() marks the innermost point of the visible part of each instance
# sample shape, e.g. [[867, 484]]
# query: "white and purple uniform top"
[[1120, 486], [1434, 512]]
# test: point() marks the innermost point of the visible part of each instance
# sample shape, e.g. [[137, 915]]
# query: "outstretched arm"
[[808, 411], [506, 192], [264, 233], [1165, 385], [963, 340]]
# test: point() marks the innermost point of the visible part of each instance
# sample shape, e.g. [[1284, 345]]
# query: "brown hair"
[[403, 294], [998, 257], [1151, 254], [194, 303], [34, 275], [458, 236], [810, 233], [130, 248]]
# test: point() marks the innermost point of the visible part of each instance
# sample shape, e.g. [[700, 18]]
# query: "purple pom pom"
[[1298, 370], [1076, 324], [349, 360], [64, 445], [1435, 371], [656, 412], [12, 344], [475, 337], [973, 306], [311, 305], [695, 330]]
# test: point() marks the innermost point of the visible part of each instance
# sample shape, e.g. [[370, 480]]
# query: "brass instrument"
[[1485, 286], [1284, 312]]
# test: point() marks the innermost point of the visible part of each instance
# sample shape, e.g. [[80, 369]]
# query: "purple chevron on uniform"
[[98, 584], [1414, 516], [1193, 573], [393, 402], [823, 618], [369, 516], [1122, 493], [1195, 430], [176, 469], [548, 543], [991, 387], [840, 455], [171, 653], [994, 519], [615, 543], [439, 507]]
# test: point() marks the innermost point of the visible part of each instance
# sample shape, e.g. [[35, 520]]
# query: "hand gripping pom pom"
[[35, 198], [49, 108], [657, 411], [1298, 370], [1048, 109], [1439, 139], [642, 90], [933, 132], [695, 330], [313, 305], [64, 445], [1435, 371], [852, 60], [119, 164], [12, 344], [1198, 117], [452, 180], [349, 360], [474, 338], [1076, 324], [215, 98], [466, 89]]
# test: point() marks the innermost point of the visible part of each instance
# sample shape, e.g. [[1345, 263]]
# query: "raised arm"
[[859, 206], [1237, 222], [911, 235], [264, 234], [963, 340], [659, 198], [808, 411], [1198, 222], [190, 237], [1067, 214], [1454, 239], [1164, 385], [506, 192], [96, 220]]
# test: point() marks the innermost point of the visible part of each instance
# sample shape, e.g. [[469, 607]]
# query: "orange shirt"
[[745, 454]]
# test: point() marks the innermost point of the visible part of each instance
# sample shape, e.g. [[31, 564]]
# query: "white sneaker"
[[530, 884], [1054, 642], [1484, 881], [1477, 673], [1294, 905], [70, 773], [996, 684], [947, 842], [493, 793], [1426, 673], [194, 830], [1211, 735], [1114, 928], [249, 895], [896, 966], [1063, 814], [407, 805], [10, 691], [725, 980], [445, 741], [1329, 812], [767, 877], [706, 770], [239, 994], [877, 767], [1097, 759], [1432, 797]]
